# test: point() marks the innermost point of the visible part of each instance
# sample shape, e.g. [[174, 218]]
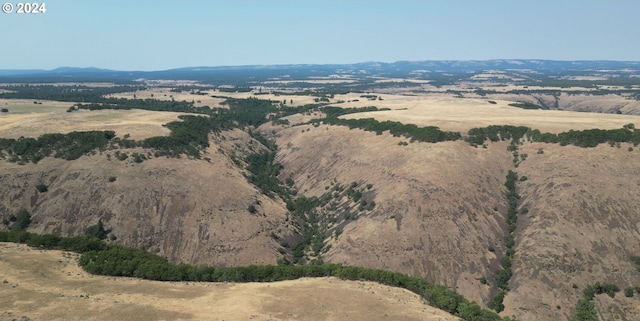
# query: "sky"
[[161, 34]]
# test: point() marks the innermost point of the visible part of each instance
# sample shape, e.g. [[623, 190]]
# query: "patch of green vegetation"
[[504, 273], [636, 260], [580, 138], [66, 146], [42, 188], [70, 93], [526, 105], [586, 309], [98, 257], [19, 221], [429, 134], [423, 134], [264, 174], [96, 231]]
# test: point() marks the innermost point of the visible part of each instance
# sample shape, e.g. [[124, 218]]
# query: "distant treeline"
[[72, 93], [101, 258], [430, 134], [145, 104], [478, 136], [581, 138], [526, 105], [190, 136]]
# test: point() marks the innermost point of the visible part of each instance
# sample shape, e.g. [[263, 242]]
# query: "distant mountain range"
[[262, 72]]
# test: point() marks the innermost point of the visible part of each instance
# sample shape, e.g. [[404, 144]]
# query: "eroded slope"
[[434, 213], [187, 210]]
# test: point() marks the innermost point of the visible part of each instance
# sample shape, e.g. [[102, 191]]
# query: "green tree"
[[585, 310], [96, 231], [22, 221]]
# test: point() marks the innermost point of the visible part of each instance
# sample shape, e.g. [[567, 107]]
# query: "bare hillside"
[[188, 210], [440, 213], [434, 213], [582, 227]]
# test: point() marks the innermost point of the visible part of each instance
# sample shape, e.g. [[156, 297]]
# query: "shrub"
[[636, 260], [252, 209], [112, 179], [42, 188], [21, 220], [96, 231], [628, 292]]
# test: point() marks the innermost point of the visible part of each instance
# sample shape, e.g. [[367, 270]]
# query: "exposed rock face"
[[187, 210]]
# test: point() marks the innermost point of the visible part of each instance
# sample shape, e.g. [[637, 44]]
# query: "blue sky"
[[156, 35]]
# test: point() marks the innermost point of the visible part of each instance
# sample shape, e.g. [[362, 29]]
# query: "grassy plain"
[[31, 120], [461, 114]]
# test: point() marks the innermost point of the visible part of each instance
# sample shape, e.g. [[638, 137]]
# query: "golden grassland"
[[462, 114], [31, 120], [48, 285]]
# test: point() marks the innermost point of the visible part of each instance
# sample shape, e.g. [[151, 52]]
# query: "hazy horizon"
[[319, 64], [161, 35]]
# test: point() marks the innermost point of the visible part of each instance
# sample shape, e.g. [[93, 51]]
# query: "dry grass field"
[[30, 120], [48, 285], [162, 93], [462, 114]]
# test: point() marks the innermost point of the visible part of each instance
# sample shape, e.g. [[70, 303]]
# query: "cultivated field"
[[48, 285]]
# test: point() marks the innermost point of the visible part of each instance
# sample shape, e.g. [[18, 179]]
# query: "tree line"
[[98, 257], [429, 134], [504, 272], [72, 93], [66, 146], [581, 138]]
